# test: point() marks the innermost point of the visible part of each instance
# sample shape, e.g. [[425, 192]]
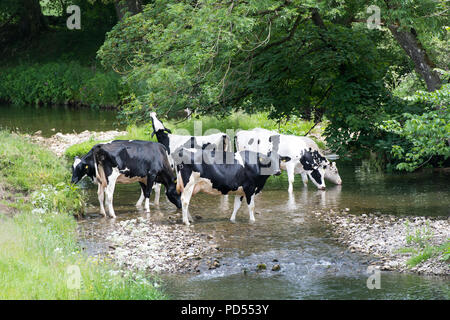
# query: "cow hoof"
[[233, 220], [252, 221]]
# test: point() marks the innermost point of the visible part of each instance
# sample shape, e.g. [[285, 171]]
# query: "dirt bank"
[[59, 142], [386, 237]]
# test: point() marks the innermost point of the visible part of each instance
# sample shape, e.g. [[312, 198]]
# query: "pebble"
[[139, 244]]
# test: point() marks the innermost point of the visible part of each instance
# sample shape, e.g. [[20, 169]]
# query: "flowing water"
[[286, 232]]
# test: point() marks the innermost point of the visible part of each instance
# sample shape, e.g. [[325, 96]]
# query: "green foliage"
[[427, 134], [275, 57], [58, 83]]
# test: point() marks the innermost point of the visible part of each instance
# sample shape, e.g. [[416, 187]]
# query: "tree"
[[310, 58]]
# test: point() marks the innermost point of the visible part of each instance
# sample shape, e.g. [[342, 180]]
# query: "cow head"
[[82, 167], [332, 173], [160, 131], [314, 164], [173, 195]]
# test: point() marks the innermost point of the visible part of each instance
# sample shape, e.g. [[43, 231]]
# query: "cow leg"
[[157, 193], [304, 178], [101, 199], [237, 205], [290, 168], [109, 195], [299, 170], [142, 197], [185, 199], [251, 208], [148, 190]]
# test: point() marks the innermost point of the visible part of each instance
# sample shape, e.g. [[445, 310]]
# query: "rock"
[[276, 267]]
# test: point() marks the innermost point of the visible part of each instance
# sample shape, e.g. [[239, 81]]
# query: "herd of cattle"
[[186, 165]]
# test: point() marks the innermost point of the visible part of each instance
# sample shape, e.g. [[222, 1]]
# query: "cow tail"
[[98, 175]]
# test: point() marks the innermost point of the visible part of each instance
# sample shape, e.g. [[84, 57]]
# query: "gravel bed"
[[385, 237]]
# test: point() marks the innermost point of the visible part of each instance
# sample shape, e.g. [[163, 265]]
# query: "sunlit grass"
[[39, 243]]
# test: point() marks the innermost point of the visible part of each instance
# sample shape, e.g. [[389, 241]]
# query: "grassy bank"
[[40, 257]]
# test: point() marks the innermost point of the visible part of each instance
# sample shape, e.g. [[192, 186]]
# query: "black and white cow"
[[303, 160], [221, 173], [219, 141], [85, 167], [129, 161]]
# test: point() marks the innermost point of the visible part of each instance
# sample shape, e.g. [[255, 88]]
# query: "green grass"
[[206, 125], [38, 246], [420, 248], [25, 166]]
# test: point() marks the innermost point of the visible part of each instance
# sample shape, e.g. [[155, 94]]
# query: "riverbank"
[[59, 142], [159, 247], [40, 254], [404, 244]]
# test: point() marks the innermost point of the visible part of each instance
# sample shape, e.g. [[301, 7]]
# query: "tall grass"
[[38, 245]]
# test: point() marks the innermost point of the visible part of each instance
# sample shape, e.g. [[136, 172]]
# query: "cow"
[[85, 167], [331, 170], [221, 173], [302, 158], [130, 161], [219, 141]]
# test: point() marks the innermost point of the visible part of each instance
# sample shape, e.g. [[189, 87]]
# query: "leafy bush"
[[58, 83], [425, 135]]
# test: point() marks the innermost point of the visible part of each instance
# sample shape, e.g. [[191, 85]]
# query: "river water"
[[286, 232]]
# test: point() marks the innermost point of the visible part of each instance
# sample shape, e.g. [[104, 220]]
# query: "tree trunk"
[[422, 63], [123, 6], [32, 21]]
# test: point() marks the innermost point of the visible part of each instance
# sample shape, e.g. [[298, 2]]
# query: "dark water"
[[313, 264], [29, 119]]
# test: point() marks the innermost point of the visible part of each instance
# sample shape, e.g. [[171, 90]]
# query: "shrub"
[[58, 83]]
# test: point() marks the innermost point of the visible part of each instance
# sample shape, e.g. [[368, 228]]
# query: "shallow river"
[[286, 232]]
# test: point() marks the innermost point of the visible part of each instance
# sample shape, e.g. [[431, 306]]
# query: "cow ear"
[[153, 133], [168, 130]]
